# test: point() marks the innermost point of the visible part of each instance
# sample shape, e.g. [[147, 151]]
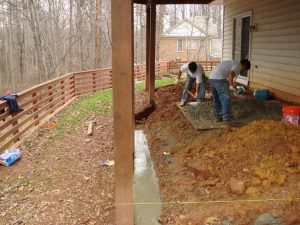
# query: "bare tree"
[[42, 39], [97, 34]]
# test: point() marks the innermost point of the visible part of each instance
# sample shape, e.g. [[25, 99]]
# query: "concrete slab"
[[244, 111], [146, 188]]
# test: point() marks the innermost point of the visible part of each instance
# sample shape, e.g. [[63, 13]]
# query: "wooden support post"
[[123, 111], [152, 51], [147, 82]]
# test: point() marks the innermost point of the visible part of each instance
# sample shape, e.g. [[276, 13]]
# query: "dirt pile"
[[257, 161], [263, 154]]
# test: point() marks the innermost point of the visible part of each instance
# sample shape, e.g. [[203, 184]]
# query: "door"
[[241, 42], [245, 41]]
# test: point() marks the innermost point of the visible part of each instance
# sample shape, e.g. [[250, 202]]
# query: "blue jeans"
[[188, 86], [221, 99]]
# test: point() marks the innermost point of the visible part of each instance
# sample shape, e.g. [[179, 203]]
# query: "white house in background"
[[191, 39]]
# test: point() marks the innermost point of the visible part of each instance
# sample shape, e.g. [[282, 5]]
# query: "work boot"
[[230, 123], [182, 103], [218, 119]]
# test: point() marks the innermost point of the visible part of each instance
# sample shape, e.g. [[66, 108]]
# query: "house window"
[[191, 44], [202, 45], [179, 45]]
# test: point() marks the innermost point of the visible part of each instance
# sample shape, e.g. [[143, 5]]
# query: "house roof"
[[192, 27]]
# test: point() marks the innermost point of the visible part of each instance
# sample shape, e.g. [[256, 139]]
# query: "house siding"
[[168, 50], [274, 46]]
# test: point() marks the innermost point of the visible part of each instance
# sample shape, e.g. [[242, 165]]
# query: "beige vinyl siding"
[[275, 45]]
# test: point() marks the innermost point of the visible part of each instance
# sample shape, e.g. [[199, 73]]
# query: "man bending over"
[[221, 83], [195, 72]]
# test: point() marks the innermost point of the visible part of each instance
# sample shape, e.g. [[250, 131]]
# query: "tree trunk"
[[97, 63], [71, 33]]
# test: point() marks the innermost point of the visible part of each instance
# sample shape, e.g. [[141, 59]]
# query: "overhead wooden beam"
[[152, 51], [123, 113], [147, 84], [159, 2]]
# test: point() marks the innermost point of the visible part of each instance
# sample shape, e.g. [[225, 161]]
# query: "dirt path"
[[264, 156], [59, 179]]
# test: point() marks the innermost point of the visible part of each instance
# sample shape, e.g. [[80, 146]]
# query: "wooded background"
[[42, 39]]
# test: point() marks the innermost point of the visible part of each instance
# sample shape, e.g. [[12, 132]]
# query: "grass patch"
[[93, 104], [97, 103], [158, 83]]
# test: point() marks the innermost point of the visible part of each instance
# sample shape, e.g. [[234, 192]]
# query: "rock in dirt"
[[202, 167], [295, 158], [213, 220], [252, 191], [88, 140], [267, 184], [242, 213], [267, 219], [228, 221], [237, 186], [293, 220], [208, 182]]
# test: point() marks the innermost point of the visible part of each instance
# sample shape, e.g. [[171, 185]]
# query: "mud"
[[244, 110]]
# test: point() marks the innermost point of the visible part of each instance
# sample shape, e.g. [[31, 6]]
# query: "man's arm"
[[230, 78], [177, 79], [197, 88], [183, 68], [179, 74], [199, 81]]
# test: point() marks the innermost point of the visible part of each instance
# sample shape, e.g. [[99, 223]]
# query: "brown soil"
[[263, 155], [59, 180]]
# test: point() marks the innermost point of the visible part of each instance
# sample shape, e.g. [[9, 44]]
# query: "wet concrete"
[[245, 110], [146, 188]]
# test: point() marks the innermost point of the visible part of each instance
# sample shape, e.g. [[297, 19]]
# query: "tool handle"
[[192, 94]]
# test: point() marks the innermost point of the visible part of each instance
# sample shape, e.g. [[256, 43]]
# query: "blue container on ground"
[[10, 156], [262, 94]]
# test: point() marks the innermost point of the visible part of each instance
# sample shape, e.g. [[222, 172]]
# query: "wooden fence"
[[43, 101]]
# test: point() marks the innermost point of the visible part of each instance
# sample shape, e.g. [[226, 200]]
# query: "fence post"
[[94, 82], [34, 102], [15, 123], [72, 83], [62, 88], [50, 90], [110, 78]]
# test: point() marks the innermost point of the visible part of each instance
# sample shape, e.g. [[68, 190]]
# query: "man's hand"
[[233, 90], [177, 79], [196, 95]]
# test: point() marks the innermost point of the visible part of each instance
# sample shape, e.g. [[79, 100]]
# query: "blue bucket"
[[262, 94]]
